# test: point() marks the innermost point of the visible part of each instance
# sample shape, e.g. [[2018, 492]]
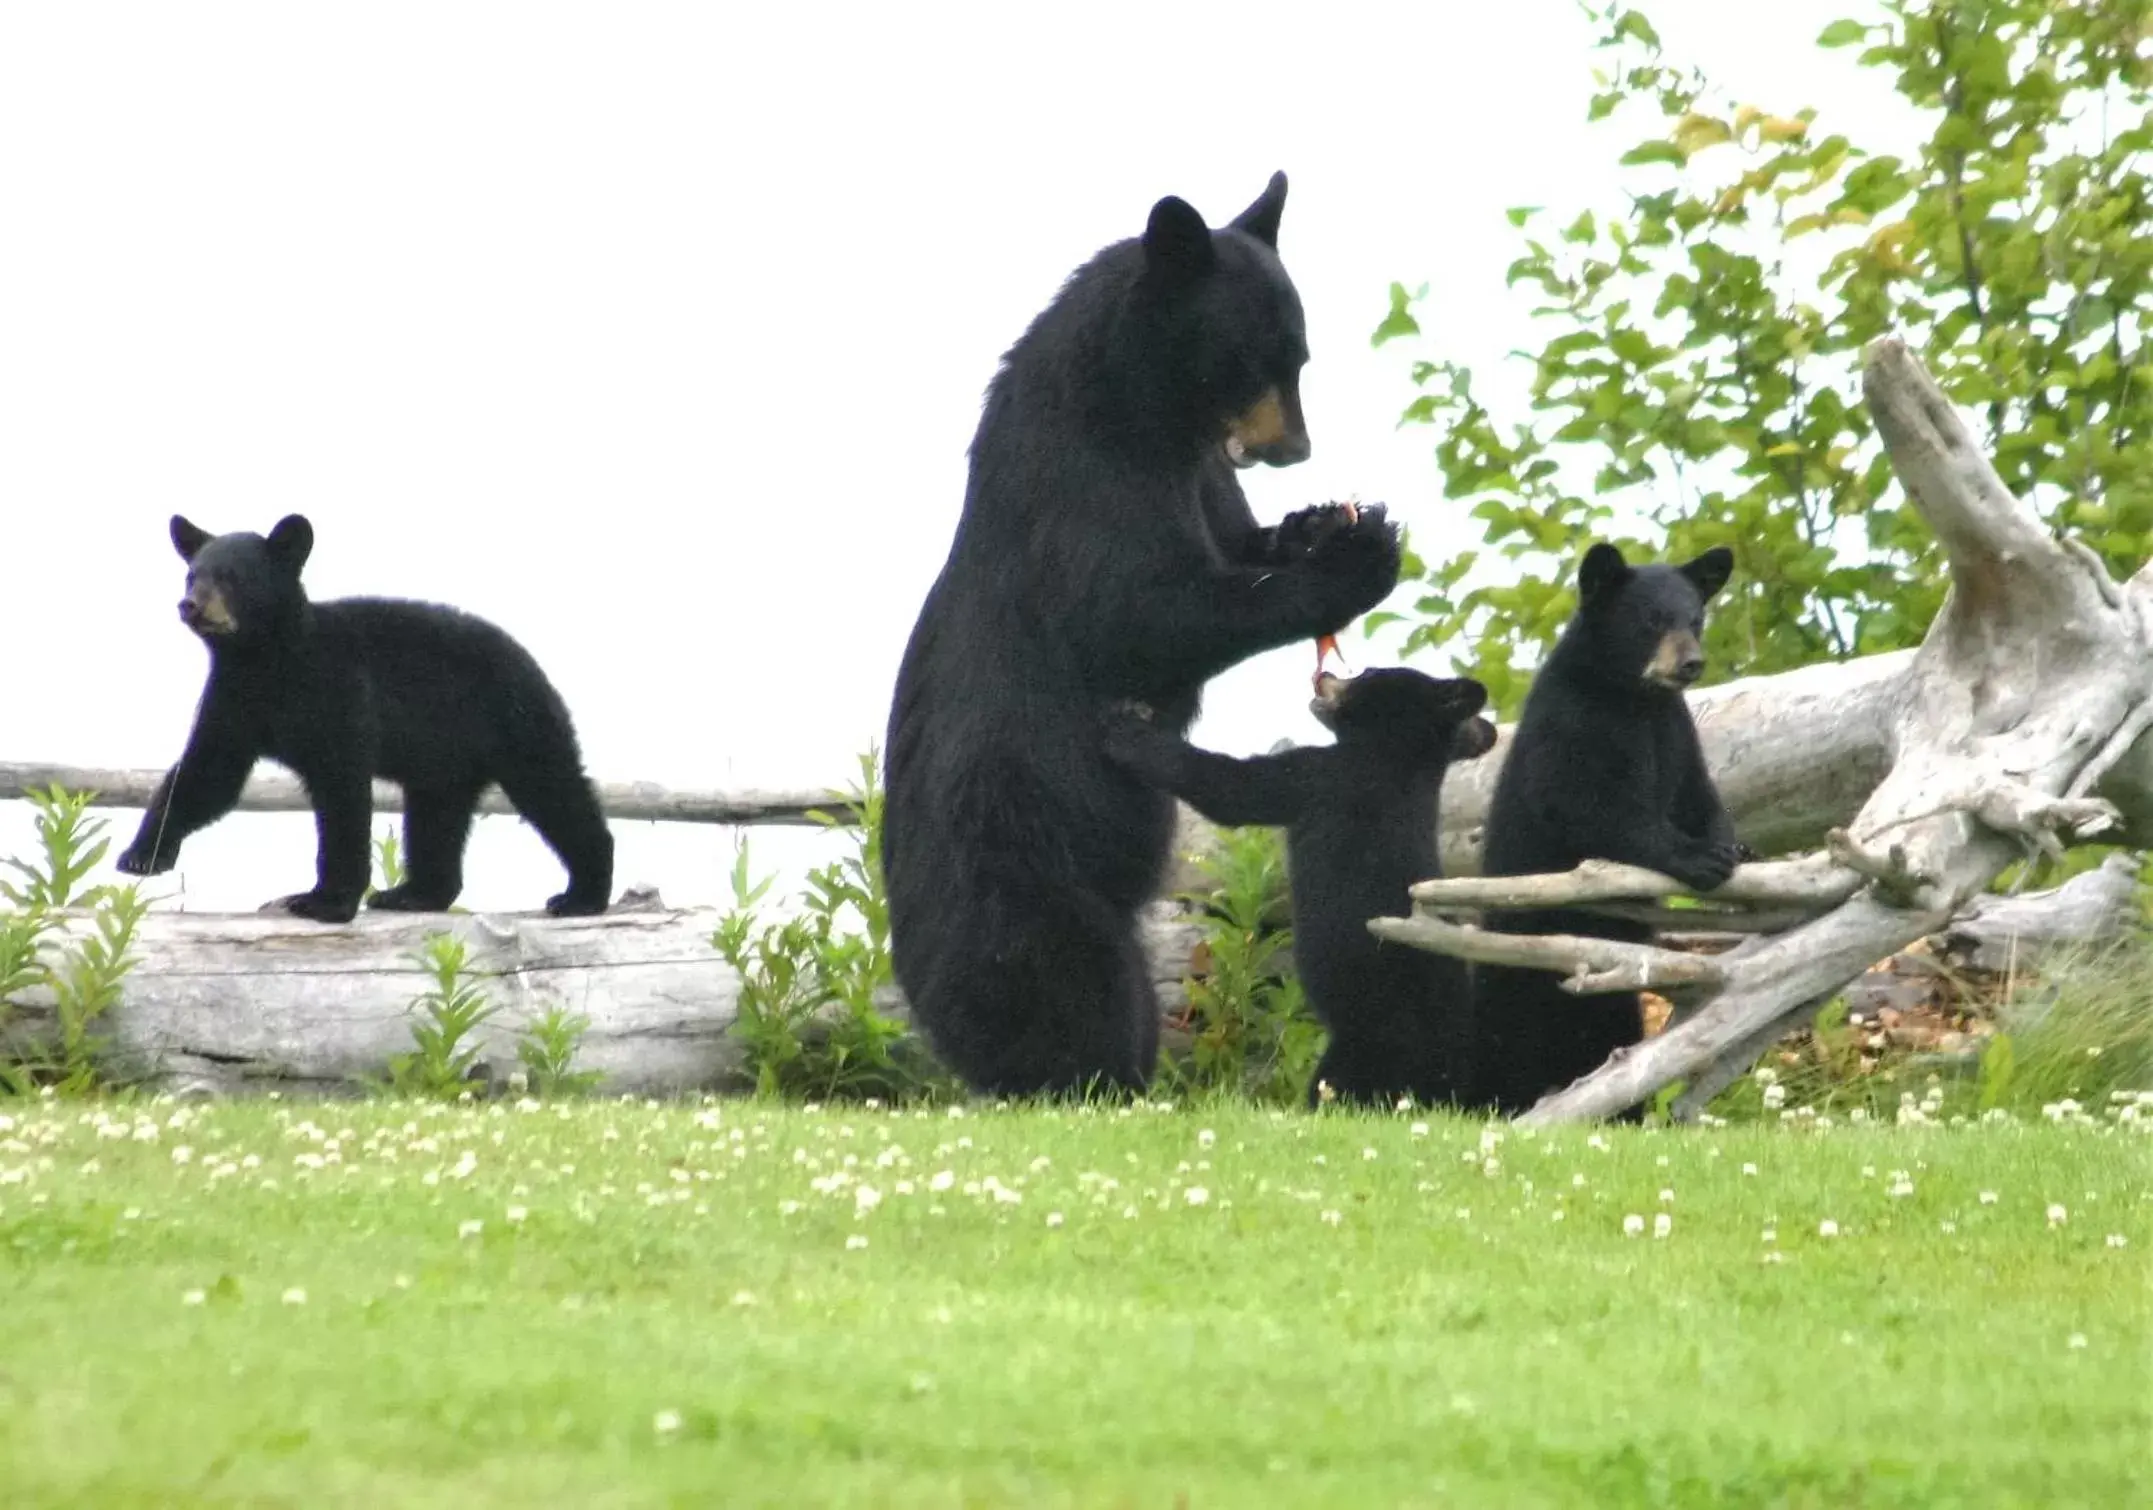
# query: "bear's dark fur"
[[1360, 821], [1605, 764], [341, 692], [1105, 552]]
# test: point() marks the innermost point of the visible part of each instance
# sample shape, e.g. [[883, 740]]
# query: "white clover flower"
[[1205, 1137], [865, 1198], [1662, 1224], [665, 1422], [295, 1296], [1988, 1197], [1196, 1195], [1418, 1129], [1827, 1228], [1633, 1225], [2118, 1240], [1054, 1218], [1332, 1218], [516, 1214], [470, 1228], [2057, 1216], [857, 1241], [193, 1297]]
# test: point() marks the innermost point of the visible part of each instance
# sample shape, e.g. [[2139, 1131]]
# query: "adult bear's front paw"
[[1358, 564], [1301, 531]]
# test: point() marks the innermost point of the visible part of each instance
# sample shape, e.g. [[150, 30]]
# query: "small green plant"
[[85, 982], [547, 1050], [1250, 1028], [388, 861], [808, 1014], [82, 973], [444, 1052], [72, 842]]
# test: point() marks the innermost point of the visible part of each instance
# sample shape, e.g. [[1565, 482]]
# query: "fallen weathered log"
[[226, 1002], [272, 790], [2001, 934], [2030, 690]]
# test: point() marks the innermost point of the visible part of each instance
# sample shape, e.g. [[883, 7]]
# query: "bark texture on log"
[[228, 1002]]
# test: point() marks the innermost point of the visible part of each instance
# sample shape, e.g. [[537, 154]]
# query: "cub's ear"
[[1177, 243], [1260, 219], [1602, 571], [1463, 697], [1709, 572], [291, 542], [188, 537]]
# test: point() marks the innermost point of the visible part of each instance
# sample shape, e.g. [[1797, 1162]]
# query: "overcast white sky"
[[657, 333]]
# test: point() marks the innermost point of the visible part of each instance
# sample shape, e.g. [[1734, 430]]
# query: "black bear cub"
[[341, 692], [1105, 553], [1360, 821], [1605, 765]]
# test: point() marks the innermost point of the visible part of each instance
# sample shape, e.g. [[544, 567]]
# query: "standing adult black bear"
[[1360, 821], [1105, 553], [341, 692], [1605, 764]]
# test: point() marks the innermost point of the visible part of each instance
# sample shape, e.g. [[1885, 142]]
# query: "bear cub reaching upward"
[[1605, 765], [1360, 821], [435, 700]]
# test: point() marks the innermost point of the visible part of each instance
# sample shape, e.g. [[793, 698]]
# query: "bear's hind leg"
[[1049, 997], [563, 807], [437, 825]]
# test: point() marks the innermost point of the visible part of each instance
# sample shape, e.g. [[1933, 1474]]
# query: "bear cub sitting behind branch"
[[435, 700], [1605, 765], [1360, 821]]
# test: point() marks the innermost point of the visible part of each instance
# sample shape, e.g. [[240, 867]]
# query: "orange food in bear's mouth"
[[1326, 647], [1327, 644]]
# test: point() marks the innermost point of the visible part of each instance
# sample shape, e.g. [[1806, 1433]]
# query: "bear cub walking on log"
[[341, 692], [1105, 553], [1605, 765], [1360, 821]]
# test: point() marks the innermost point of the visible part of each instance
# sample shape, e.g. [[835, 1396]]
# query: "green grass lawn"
[[618, 1303]]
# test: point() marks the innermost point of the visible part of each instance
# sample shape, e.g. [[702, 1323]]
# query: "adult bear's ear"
[[188, 537], [1710, 571], [291, 542], [1177, 243], [1260, 219], [1602, 571]]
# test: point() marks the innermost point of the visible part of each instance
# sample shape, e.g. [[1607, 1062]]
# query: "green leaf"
[[1653, 152], [1400, 321], [1843, 34], [1517, 215]]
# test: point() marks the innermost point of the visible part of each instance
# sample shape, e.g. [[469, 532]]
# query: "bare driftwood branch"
[[227, 1002], [2037, 670], [1806, 883], [1589, 965], [274, 791]]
